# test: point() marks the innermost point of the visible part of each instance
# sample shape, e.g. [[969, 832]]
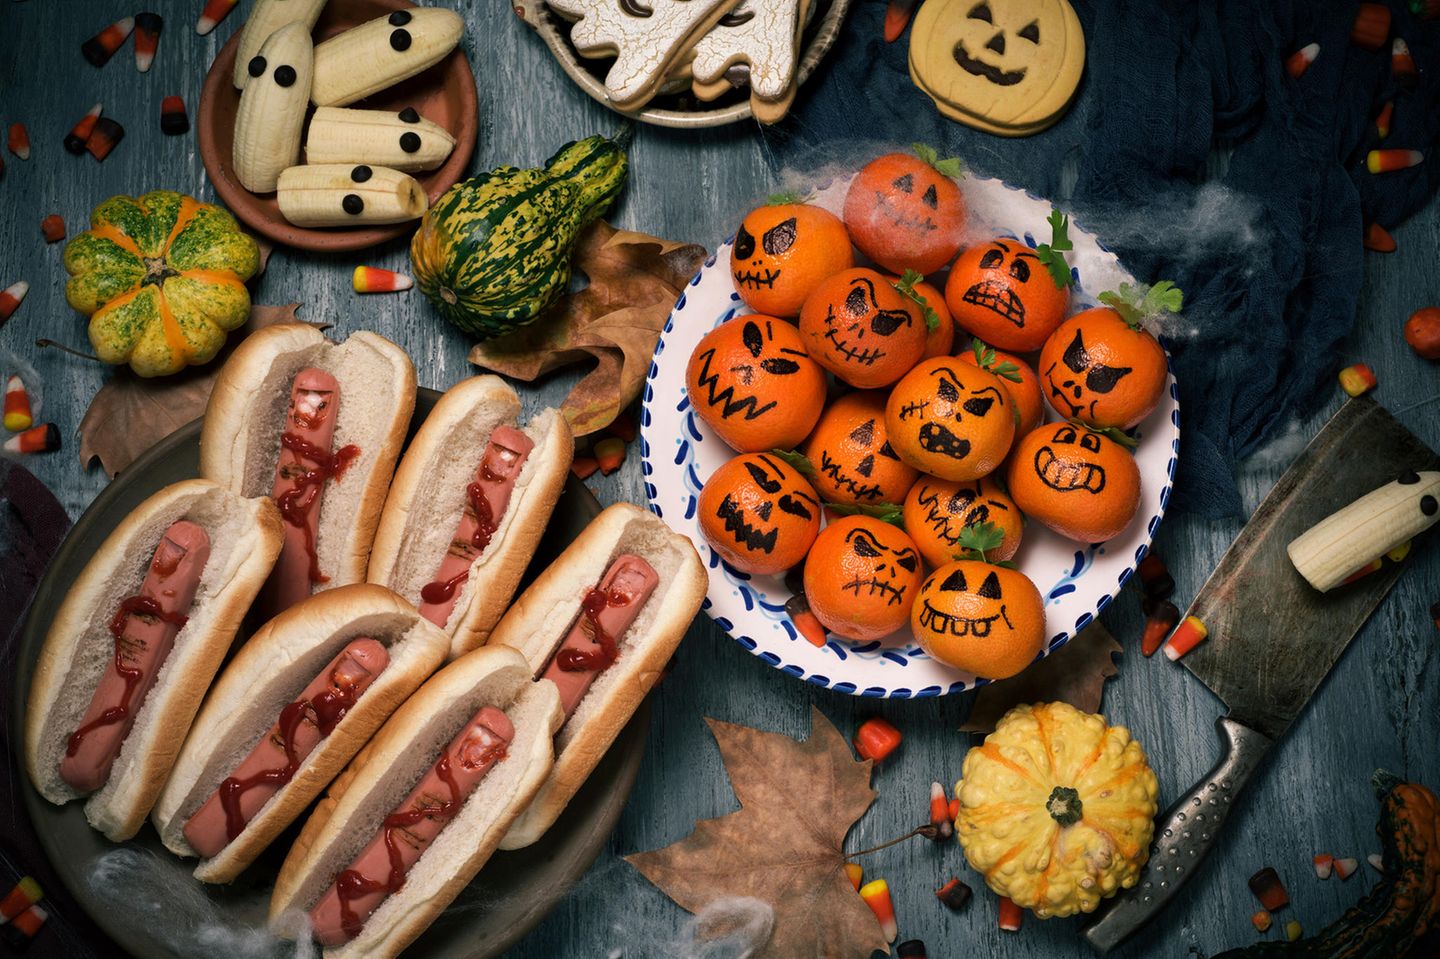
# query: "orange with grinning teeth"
[[984, 619], [1081, 484], [1001, 292]]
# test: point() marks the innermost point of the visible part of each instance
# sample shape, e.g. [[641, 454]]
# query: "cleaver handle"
[[1184, 835]]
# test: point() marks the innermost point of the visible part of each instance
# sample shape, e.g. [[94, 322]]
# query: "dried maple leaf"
[[784, 846], [1074, 674], [129, 414], [635, 280]]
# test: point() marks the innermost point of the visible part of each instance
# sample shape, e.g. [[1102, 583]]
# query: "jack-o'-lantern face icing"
[[759, 513], [851, 452], [782, 252], [951, 420], [1002, 293], [982, 618], [938, 511], [861, 328], [1079, 385]]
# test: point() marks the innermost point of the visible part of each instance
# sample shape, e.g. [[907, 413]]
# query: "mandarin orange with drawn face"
[[984, 619], [1025, 390], [858, 326], [1001, 292], [938, 511], [782, 252], [759, 513], [951, 420], [1081, 484], [851, 453], [1100, 370], [861, 578], [904, 214]]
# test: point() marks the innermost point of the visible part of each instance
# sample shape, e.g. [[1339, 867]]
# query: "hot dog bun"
[[240, 439], [541, 617], [269, 672], [428, 495], [245, 536], [387, 769]]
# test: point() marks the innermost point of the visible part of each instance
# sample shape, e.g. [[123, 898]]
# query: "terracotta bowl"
[[445, 94]]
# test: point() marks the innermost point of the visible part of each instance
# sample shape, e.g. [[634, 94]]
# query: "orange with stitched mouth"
[[850, 450], [984, 619], [782, 251], [1082, 484], [861, 578], [858, 326], [937, 511], [951, 420], [1001, 292]]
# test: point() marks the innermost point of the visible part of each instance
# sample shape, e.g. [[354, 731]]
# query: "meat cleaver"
[[1273, 639]]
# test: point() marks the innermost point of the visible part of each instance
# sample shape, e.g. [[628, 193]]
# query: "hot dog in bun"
[[291, 709], [135, 644], [468, 506]]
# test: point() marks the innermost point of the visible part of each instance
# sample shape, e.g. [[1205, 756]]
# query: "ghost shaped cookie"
[[1009, 67], [765, 36]]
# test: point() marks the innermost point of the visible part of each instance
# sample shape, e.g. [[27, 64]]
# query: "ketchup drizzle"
[[351, 884], [441, 590], [143, 606], [600, 658], [295, 503]]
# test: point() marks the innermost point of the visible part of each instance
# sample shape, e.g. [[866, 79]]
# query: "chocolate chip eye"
[[1031, 32], [361, 173], [352, 204], [409, 115], [409, 142], [400, 40], [991, 259], [256, 67], [399, 18], [285, 75], [981, 11]]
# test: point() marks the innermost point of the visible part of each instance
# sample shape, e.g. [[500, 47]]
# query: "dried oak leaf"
[[1073, 674], [635, 280], [129, 414], [798, 800]]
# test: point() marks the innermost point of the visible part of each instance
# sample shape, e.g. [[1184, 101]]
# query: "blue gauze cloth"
[[1166, 83]]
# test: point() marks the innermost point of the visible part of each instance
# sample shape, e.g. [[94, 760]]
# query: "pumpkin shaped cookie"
[[951, 420], [904, 213], [1082, 484], [860, 327], [782, 251], [851, 453], [759, 513], [752, 382], [861, 578], [937, 513], [1002, 293]]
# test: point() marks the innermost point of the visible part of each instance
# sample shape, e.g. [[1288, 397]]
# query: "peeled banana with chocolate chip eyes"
[[381, 53], [265, 18], [402, 141], [339, 194], [272, 108]]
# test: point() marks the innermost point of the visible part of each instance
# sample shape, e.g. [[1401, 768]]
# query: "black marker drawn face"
[[781, 506], [1005, 268], [909, 204], [939, 621], [878, 569], [1063, 466], [758, 264], [858, 327], [851, 472], [952, 411], [1082, 375], [950, 515], [740, 393]]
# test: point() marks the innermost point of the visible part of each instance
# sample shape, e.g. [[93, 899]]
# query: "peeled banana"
[[266, 17], [339, 194], [272, 108], [402, 141], [381, 53], [1371, 526]]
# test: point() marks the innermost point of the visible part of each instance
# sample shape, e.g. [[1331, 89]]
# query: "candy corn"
[[1358, 379], [104, 137], [214, 12], [17, 934], [19, 141], [1160, 618], [855, 873], [10, 298], [1268, 888], [876, 894], [955, 895], [44, 438], [80, 132], [1155, 579], [954, 808], [148, 27], [1372, 26], [911, 949], [876, 738], [173, 119], [17, 413], [1187, 636], [53, 228], [1388, 161], [1384, 118], [807, 625], [897, 18], [1011, 915], [940, 812], [1402, 64], [1293, 930], [1299, 61], [610, 454], [1376, 860], [371, 279], [1345, 868], [584, 467], [1378, 239], [1324, 865], [26, 893], [101, 47], [1261, 921], [1371, 567], [1398, 553]]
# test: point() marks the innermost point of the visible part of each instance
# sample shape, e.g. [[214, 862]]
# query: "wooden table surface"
[[1381, 706]]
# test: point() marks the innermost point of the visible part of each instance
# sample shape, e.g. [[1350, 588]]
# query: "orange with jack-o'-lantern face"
[[759, 513], [904, 214], [1001, 292], [937, 511], [861, 578], [1020, 382], [1102, 371], [951, 420], [858, 326], [984, 619], [851, 453], [752, 382], [783, 251], [1082, 484]]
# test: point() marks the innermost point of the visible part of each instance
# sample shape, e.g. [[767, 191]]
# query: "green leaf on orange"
[[1052, 254]]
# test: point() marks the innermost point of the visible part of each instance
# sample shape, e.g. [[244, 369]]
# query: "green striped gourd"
[[494, 252]]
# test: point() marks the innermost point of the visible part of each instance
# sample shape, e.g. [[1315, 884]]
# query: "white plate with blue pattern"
[[679, 452]]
